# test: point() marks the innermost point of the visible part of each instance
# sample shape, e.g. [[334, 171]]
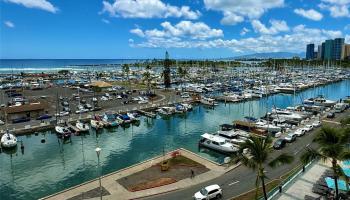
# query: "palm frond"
[[281, 160], [309, 155]]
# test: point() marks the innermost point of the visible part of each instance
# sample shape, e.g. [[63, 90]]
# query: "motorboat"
[[285, 115], [187, 106], [231, 136], [166, 110], [133, 117], [81, 126], [208, 101], [217, 143], [96, 122], [321, 101], [267, 126], [63, 132], [110, 120], [8, 140]]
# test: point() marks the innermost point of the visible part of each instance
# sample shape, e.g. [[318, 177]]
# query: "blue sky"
[[186, 28]]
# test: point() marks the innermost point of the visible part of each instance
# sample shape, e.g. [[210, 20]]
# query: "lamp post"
[[98, 150]]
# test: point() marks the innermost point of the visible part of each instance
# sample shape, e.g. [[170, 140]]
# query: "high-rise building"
[[337, 48], [310, 51], [319, 52], [328, 50], [345, 53], [323, 50]]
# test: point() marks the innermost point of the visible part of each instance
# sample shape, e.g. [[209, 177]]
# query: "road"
[[242, 179]]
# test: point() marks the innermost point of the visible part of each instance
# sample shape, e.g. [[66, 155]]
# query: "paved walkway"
[[117, 191], [303, 184]]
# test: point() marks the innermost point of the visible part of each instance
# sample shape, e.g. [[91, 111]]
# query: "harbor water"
[[41, 169]]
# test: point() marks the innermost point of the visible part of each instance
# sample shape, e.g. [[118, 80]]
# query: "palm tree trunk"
[[263, 186], [335, 176]]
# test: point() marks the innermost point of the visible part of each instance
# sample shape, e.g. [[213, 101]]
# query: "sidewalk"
[[117, 191], [303, 184]]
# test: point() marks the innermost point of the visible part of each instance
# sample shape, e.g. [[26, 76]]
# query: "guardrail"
[[272, 194]]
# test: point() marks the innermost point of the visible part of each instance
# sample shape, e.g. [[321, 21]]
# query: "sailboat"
[[8, 140], [81, 126]]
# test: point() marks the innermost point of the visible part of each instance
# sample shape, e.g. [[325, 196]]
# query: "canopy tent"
[[331, 184]]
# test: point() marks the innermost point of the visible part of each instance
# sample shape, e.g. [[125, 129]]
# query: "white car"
[[291, 137], [185, 95], [119, 97], [143, 102], [209, 192], [103, 98], [300, 132], [308, 128], [61, 114], [1, 122], [316, 124]]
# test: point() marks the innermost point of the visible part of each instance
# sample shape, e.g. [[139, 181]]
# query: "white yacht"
[[321, 101], [82, 126], [8, 140], [285, 115], [267, 126], [208, 101], [231, 136], [96, 124], [217, 143]]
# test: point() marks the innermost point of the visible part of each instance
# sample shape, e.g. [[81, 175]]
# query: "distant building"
[[323, 46], [345, 53], [337, 48], [328, 50], [310, 51], [319, 52]]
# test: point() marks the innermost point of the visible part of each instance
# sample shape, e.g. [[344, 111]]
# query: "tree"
[[126, 70], [259, 149], [147, 78], [333, 146]]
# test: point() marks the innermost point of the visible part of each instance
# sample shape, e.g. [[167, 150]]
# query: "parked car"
[[209, 192], [279, 144], [308, 128], [300, 132], [62, 113], [45, 116], [330, 115], [1, 122], [21, 119], [65, 103], [316, 124], [291, 137]]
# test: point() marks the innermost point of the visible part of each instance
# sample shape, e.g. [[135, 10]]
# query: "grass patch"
[[181, 160], [152, 184]]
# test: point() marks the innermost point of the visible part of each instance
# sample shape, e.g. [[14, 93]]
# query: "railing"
[[286, 182]]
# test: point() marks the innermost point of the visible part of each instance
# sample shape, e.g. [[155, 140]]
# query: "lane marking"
[[233, 183]]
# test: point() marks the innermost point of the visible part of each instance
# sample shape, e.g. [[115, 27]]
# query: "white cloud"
[[310, 14], [184, 29], [244, 31], [236, 11], [337, 8], [147, 9], [347, 39], [293, 41], [106, 21], [276, 27], [9, 24], [39, 4], [138, 32]]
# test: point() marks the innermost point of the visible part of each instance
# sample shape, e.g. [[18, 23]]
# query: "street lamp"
[[98, 151]]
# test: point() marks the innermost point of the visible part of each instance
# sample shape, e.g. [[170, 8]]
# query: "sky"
[[132, 29]]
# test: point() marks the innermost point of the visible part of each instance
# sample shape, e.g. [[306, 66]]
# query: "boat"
[[63, 132], [96, 122], [208, 101], [8, 140], [109, 120], [81, 126], [217, 143], [133, 117], [267, 126], [124, 119], [187, 106], [231, 136], [321, 101], [166, 110]]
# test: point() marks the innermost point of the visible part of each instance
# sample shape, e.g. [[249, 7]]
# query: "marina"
[[63, 164]]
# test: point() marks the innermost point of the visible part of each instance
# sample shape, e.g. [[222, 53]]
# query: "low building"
[[101, 84], [31, 110]]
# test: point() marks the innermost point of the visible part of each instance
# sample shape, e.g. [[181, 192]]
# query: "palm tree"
[[259, 152], [126, 70], [148, 78], [333, 146]]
